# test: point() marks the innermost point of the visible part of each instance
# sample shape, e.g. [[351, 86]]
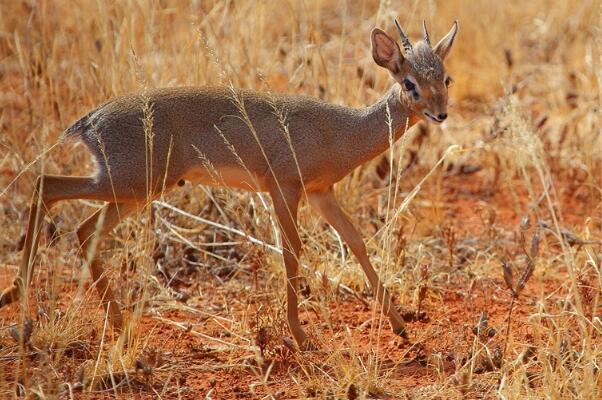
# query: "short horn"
[[404, 39], [425, 32]]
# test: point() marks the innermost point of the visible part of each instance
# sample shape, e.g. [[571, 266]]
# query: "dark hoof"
[[401, 332], [9, 295], [305, 345]]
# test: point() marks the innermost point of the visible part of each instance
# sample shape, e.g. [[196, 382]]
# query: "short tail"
[[79, 127]]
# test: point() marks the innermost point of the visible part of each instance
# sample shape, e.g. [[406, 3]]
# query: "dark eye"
[[448, 81], [408, 85]]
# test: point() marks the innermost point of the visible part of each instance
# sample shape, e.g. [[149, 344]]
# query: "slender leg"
[[99, 224], [326, 204], [37, 211], [286, 203], [48, 190]]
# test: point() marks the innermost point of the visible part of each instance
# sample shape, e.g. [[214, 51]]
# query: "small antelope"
[[218, 136]]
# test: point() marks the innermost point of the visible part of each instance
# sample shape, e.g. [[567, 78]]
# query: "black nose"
[[442, 117]]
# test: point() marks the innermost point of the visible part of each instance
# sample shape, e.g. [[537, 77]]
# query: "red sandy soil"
[[181, 358]]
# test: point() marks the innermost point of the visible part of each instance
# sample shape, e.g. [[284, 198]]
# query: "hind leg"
[[286, 203], [90, 233], [48, 190]]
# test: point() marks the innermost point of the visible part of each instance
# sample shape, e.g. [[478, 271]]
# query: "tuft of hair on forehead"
[[425, 62]]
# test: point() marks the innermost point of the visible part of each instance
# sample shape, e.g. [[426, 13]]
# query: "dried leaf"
[[509, 58], [142, 364], [22, 337], [289, 344], [262, 339], [422, 289], [527, 354], [497, 357], [468, 169], [352, 392], [541, 121], [325, 282], [181, 296], [491, 216], [481, 326], [508, 276], [527, 273], [525, 222], [146, 362], [570, 238], [521, 240], [14, 333], [535, 244], [422, 293]]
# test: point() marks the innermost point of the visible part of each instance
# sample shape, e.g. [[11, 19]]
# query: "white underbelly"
[[227, 177]]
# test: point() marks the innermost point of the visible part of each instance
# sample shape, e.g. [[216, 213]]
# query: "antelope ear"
[[444, 46], [386, 51]]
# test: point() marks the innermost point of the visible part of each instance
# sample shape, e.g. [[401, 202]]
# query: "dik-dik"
[[219, 136]]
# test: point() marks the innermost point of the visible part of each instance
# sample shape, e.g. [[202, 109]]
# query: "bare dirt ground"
[[196, 350]]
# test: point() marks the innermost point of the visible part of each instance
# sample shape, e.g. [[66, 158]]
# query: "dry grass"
[[206, 301]]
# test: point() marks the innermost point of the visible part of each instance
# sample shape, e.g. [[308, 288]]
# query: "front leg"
[[326, 205]]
